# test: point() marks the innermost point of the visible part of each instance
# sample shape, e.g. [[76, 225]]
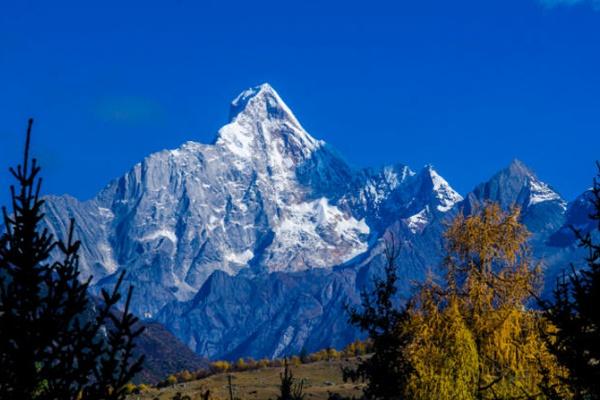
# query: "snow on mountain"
[[396, 192], [447, 196], [543, 211], [310, 221], [540, 192], [261, 124], [251, 245], [378, 186], [516, 185], [417, 222], [262, 197]]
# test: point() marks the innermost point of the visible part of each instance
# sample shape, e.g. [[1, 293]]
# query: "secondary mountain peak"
[[518, 168], [516, 184], [538, 191], [444, 193]]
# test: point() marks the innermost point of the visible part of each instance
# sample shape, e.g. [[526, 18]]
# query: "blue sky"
[[464, 85]]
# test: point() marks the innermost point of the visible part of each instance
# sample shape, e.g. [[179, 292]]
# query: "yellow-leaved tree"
[[476, 337], [443, 354]]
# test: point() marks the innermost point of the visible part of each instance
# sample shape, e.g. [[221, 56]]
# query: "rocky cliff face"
[[251, 245]]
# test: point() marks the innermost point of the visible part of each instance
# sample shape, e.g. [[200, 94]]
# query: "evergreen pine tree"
[[289, 389], [303, 355], [575, 313], [54, 342], [387, 370]]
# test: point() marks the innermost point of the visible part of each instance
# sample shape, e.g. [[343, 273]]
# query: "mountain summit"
[[251, 245], [517, 185], [260, 122], [261, 102], [262, 198]]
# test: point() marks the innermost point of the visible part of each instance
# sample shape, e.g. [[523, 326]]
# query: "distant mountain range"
[[251, 245]]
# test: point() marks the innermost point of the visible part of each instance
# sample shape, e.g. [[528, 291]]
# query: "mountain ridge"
[[267, 203]]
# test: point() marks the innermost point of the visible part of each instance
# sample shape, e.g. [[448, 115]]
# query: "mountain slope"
[[164, 354], [547, 216], [270, 315], [265, 196], [542, 208], [251, 245]]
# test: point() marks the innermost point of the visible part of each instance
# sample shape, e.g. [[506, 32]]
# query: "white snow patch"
[[236, 139], [540, 192], [108, 258], [239, 258], [176, 153], [447, 196], [105, 213], [377, 192], [165, 233], [417, 222], [317, 226], [285, 341], [184, 291]]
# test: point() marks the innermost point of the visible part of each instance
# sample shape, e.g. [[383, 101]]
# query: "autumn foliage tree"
[[443, 353], [477, 332]]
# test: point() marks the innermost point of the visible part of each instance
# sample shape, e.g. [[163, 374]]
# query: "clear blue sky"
[[464, 85]]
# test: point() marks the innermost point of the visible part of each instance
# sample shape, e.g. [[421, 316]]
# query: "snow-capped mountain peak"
[[444, 193], [262, 125], [538, 191], [271, 231], [260, 102], [518, 185], [263, 197]]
